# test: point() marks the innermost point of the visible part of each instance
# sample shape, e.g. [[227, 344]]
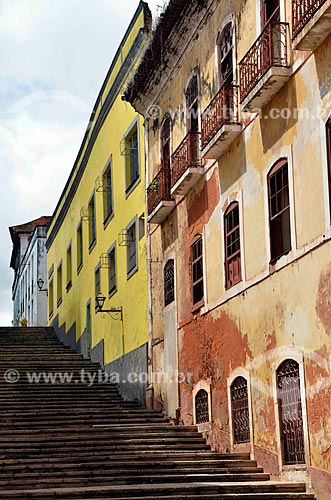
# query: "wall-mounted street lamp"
[[40, 283], [100, 300]]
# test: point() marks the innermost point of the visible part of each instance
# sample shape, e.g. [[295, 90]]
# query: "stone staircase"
[[72, 440]]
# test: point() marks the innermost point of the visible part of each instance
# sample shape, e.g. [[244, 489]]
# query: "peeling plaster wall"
[[277, 311]]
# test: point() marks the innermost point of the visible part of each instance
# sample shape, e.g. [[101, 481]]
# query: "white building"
[[28, 260]]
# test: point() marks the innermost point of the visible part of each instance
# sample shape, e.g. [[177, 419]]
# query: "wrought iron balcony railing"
[[270, 49], [187, 155], [223, 110], [302, 12], [158, 190]]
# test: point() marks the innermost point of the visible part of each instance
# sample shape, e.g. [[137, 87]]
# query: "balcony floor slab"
[[161, 212], [189, 178], [221, 141], [266, 88]]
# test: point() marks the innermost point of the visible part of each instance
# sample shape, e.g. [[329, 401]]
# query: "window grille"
[[201, 407], [240, 412], [169, 282], [290, 412]]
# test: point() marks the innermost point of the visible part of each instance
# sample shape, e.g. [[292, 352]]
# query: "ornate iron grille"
[[186, 155], [201, 407], [270, 49], [290, 412], [222, 110], [169, 282], [302, 12], [240, 413], [158, 190]]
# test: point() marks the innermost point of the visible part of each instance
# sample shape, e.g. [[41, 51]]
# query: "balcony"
[[265, 68], [159, 202], [186, 167], [311, 23], [220, 123]]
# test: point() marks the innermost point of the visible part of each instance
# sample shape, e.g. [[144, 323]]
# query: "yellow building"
[[96, 243], [237, 100]]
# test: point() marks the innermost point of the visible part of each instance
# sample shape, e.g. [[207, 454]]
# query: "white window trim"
[[238, 198], [283, 152], [297, 355], [228, 20], [194, 72], [241, 372], [202, 384]]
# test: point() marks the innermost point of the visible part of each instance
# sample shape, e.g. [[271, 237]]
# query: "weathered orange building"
[[237, 102]]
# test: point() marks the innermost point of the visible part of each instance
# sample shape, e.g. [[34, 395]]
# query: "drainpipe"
[[150, 387]]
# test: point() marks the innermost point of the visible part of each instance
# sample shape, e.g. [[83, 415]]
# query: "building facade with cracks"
[[236, 100]]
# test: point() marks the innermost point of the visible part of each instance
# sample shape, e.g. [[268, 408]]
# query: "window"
[[279, 210], [201, 407], [270, 11], [290, 412], [165, 140], [50, 298], [97, 282], [131, 249], [79, 247], [192, 105], [131, 158], [225, 47], [328, 145], [59, 284], [107, 193], [169, 282], [240, 412], [232, 245], [197, 272], [112, 270], [69, 268], [91, 222]]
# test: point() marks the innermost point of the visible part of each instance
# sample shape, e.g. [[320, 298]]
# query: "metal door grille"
[[240, 412], [290, 412], [201, 407], [169, 282]]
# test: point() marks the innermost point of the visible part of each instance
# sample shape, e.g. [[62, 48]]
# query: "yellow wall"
[[119, 337]]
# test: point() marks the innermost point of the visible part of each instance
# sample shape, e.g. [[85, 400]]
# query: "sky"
[[54, 58]]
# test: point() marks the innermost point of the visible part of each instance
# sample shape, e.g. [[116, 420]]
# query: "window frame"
[[107, 193], [80, 246], [134, 269], [172, 293], [129, 182], [228, 26], [192, 105], [230, 258], [97, 284], [272, 218], [233, 412], [51, 297], [194, 262], [92, 222], [59, 284], [113, 290], [69, 267]]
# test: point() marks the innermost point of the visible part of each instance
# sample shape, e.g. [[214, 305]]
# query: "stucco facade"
[[96, 241], [244, 214]]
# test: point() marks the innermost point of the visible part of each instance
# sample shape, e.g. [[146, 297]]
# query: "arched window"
[[240, 411], [169, 282], [225, 59], [201, 407], [197, 271], [279, 210], [290, 412], [192, 105], [232, 245], [165, 143]]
